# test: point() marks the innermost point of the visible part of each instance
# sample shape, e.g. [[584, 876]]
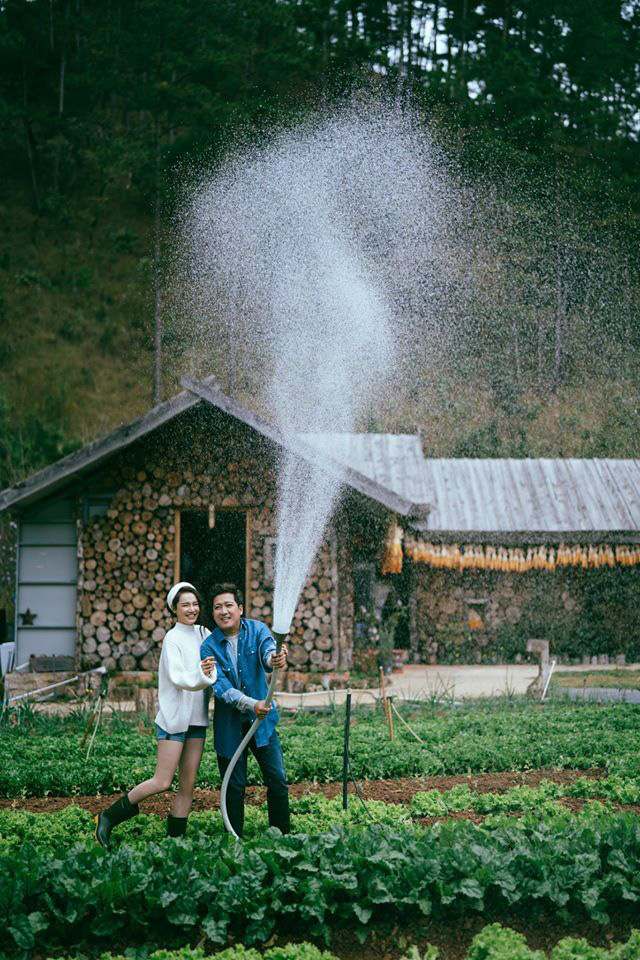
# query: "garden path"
[[439, 682]]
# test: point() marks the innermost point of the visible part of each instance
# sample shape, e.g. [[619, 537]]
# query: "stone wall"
[[127, 557], [487, 617]]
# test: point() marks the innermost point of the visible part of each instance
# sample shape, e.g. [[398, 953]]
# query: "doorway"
[[212, 548], [383, 597]]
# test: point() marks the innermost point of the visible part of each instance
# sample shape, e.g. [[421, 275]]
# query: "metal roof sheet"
[[464, 496], [496, 495], [547, 495], [393, 460]]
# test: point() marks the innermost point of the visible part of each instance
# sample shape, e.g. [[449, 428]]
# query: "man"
[[243, 650]]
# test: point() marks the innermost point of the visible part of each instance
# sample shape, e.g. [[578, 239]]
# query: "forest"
[[108, 106]]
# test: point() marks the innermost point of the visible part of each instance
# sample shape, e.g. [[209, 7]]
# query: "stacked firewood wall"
[[127, 562]]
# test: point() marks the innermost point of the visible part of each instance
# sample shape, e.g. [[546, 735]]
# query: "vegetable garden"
[[510, 833]]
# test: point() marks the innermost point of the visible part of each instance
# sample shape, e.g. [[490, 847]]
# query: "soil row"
[[390, 791], [542, 931]]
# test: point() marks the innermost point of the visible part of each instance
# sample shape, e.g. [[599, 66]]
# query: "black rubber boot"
[[235, 811], [117, 813], [278, 807], [176, 826]]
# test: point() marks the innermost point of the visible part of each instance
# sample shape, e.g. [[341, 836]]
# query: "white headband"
[[175, 589]]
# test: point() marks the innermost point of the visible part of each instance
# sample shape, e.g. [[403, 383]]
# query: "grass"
[[76, 310], [76, 324], [620, 679]]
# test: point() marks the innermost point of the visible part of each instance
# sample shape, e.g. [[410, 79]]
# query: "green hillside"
[[105, 108]]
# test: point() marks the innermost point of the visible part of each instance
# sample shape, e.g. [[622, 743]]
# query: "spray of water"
[[313, 250]]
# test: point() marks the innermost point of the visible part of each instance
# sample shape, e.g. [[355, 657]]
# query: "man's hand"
[[207, 665], [261, 709], [279, 661]]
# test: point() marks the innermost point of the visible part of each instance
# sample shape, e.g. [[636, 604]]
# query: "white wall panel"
[[48, 564], [55, 606], [47, 581]]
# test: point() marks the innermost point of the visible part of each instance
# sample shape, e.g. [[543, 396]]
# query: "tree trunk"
[[63, 67], [434, 46], [515, 342], [540, 359], [450, 79], [231, 359], [560, 350], [409, 38], [353, 33], [51, 33], [29, 143], [463, 48]]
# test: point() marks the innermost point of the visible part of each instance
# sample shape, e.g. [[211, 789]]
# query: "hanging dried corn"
[[392, 558], [510, 559]]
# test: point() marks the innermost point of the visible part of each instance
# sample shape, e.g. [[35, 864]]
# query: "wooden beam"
[[176, 546], [515, 538]]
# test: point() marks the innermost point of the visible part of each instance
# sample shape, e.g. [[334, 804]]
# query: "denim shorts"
[[193, 733]]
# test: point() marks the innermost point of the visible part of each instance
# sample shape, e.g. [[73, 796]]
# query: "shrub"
[[73, 327], [28, 277], [125, 240]]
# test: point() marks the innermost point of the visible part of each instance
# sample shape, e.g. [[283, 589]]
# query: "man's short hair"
[[219, 588]]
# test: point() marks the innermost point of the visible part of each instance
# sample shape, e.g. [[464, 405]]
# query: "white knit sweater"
[[181, 680]]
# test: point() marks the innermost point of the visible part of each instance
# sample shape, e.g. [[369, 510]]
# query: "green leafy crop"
[[213, 887], [472, 740]]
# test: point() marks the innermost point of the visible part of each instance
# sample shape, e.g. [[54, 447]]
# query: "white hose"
[[279, 638]]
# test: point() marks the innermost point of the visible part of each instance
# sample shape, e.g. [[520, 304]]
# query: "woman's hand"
[[208, 665], [279, 661], [261, 709]]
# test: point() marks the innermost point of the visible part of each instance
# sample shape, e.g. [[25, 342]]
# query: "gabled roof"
[[57, 475], [324, 459], [447, 498], [587, 498]]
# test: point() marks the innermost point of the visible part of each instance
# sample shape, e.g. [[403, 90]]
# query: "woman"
[[181, 721]]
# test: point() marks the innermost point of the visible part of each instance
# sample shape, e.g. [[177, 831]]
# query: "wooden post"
[[389, 702], [386, 706], [383, 696], [247, 561], [345, 754], [89, 724]]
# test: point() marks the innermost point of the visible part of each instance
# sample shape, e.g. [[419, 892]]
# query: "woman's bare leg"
[[189, 763], [169, 753]]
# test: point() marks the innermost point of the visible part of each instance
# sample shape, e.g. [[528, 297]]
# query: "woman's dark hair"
[[219, 588]]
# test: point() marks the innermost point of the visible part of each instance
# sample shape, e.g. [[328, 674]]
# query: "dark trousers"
[[271, 763]]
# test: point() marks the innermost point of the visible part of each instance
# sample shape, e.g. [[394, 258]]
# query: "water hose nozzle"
[[279, 639]]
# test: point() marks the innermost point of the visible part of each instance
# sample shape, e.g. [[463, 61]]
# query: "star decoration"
[[28, 618]]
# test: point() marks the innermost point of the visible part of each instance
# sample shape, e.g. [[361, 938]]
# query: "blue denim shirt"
[[255, 643]]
